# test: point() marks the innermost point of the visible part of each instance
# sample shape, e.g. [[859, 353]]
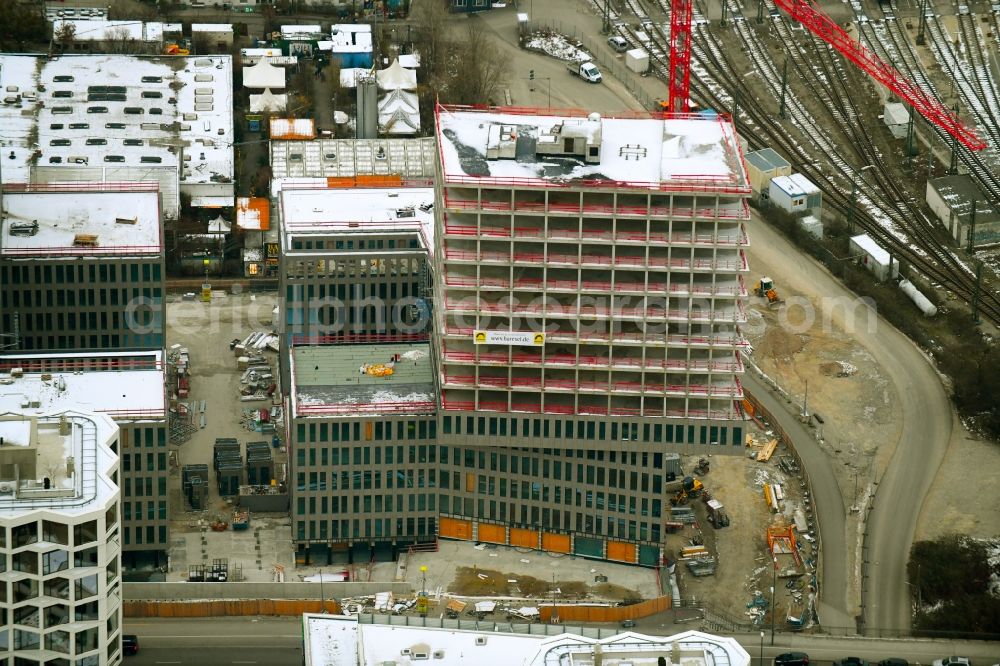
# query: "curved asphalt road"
[[926, 425]]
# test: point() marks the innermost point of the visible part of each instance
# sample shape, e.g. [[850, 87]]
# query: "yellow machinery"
[[691, 487], [765, 289]]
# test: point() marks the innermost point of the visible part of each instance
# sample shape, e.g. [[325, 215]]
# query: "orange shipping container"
[[452, 528], [523, 538], [621, 551], [555, 543], [492, 533]]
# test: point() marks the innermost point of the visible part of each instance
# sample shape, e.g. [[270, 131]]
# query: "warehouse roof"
[[97, 114], [349, 211], [408, 158], [767, 159], [349, 380], [100, 29], [350, 38], [958, 193], [75, 222], [690, 153]]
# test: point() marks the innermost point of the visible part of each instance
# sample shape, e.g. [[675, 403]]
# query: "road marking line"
[[244, 662]]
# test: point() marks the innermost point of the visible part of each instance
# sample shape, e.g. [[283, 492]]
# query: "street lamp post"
[[762, 648]]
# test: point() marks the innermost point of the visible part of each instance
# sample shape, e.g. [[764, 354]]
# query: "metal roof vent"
[[594, 117]]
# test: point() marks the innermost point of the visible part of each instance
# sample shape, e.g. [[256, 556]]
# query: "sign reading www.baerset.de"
[[513, 338]]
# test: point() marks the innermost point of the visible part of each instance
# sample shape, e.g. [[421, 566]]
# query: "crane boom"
[[680, 55], [930, 108]]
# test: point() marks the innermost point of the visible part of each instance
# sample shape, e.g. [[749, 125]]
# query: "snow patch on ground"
[[557, 46]]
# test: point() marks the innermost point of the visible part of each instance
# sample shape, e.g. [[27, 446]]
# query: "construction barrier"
[[490, 533], [584, 613], [621, 551], [523, 538], [228, 607], [452, 528], [556, 543]]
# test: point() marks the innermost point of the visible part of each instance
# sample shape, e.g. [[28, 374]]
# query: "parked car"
[[618, 43], [953, 661], [893, 661], [628, 624], [851, 661], [130, 644], [792, 659]]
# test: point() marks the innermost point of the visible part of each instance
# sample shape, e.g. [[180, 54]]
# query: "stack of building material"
[[701, 566], [682, 514], [194, 484], [260, 463], [228, 466]]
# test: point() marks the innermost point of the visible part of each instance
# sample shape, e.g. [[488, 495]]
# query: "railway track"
[[892, 217]]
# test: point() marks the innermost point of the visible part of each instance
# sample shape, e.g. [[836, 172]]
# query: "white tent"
[[396, 77], [399, 113], [268, 101], [219, 225], [263, 75]]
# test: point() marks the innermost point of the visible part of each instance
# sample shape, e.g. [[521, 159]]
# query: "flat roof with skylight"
[[116, 112], [345, 212], [574, 148], [75, 222], [356, 379], [410, 159]]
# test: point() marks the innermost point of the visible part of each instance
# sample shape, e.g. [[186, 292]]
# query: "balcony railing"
[[740, 211], [600, 235], [473, 306]]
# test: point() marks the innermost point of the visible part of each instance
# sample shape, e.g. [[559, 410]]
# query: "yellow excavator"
[[765, 289], [688, 487]]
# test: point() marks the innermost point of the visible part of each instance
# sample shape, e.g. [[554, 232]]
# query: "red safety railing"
[[551, 384], [586, 410], [736, 315], [571, 361], [733, 341], [596, 260], [88, 364], [741, 211], [76, 250], [81, 186], [414, 407], [675, 239], [591, 286], [358, 338]]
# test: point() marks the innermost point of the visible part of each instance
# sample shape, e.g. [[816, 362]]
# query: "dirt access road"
[[925, 417]]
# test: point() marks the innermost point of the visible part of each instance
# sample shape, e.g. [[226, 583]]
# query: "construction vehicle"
[[717, 514], [690, 487], [702, 467], [765, 289], [175, 50]]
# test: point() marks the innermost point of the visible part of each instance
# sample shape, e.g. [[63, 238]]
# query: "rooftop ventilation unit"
[[24, 228], [480, 640]]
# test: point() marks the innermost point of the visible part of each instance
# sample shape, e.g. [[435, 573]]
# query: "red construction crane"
[[826, 29]]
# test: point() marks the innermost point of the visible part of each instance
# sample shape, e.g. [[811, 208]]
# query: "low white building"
[[950, 199], [795, 194], [762, 166], [333, 640], [96, 35], [897, 118], [874, 257], [60, 539]]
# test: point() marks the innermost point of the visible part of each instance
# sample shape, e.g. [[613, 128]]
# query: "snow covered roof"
[[958, 193], [126, 222], [211, 27], [871, 248], [349, 76], [348, 380], [127, 385], [49, 484], [410, 60], [399, 113], [795, 185], [299, 30], [396, 77], [688, 153], [253, 213], [97, 29], [268, 101], [895, 113], [344, 212], [118, 117], [351, 38], [262, 75], [410, 158], [333, 640]]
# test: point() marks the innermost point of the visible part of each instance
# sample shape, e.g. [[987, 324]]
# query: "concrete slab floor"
[[206, 330], [443, 565]]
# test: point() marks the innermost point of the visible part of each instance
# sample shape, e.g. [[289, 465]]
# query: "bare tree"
[[65, 36], [119, 40], [431, 22], [480, 68]]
